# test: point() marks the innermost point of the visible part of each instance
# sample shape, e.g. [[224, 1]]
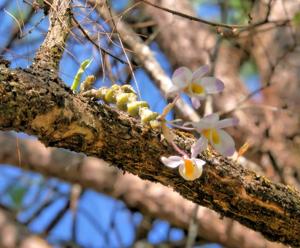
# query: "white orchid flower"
[[194, 84], [210, 128], [189, 168]]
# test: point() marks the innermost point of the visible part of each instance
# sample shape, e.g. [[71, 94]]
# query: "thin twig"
[[123, 48], [95, 44], [214, 24], [15, 19]]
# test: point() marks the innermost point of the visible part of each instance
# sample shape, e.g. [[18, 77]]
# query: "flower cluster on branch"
[[197, 86], [194, 84]]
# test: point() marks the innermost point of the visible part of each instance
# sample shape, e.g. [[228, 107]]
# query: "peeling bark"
[[36, 104]]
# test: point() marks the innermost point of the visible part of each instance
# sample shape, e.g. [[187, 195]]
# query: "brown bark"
[[50, 52], [36, 104], [151, 199]]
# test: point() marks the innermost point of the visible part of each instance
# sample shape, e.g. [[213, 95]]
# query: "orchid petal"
[[172, 161], [227, 122], [212, 118], [200, 72], [182, 77], [225, 146], [173, 90], [199, 146], [197, 170], [206, 122], [212, 85], [199, 162], [196, 102]]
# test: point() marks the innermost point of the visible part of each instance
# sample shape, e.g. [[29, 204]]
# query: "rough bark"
[[151, 199], [50, 52], [36, 104]]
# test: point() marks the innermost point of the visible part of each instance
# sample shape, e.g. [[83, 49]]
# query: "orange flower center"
[[212, 134], [189, 167]]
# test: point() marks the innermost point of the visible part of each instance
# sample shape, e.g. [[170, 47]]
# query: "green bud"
[[110, 96], [155, 124], [133, 107], [115, 87], [126, 88], [123, 99], [98, 94], [101, 92], [87, 83], [147, 115]]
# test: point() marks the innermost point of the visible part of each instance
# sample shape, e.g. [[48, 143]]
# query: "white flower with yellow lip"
[[194, 84], [189, 168], [210, 128]]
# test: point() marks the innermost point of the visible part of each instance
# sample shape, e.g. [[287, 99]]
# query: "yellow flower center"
[[194, 88], [213, 134], [189, 167], [197, 89]]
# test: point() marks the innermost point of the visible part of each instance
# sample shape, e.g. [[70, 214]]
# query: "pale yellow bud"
[[147, 115], [123, 99], [133, 107]]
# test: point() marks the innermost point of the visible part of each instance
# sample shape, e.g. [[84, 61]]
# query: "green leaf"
[[83, 66]]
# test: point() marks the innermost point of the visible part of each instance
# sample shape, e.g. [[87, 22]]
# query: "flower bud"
[[123, 99], [110, 96], [147, 115], [133, 107], [87, 83], [126, 88]]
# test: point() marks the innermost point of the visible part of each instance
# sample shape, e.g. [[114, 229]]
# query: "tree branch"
[[49, 54], [14, 234], [151, 199], [233, 27], [44, 107]]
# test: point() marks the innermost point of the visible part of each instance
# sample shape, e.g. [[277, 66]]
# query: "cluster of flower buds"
[[125, 98], [197, 87]]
